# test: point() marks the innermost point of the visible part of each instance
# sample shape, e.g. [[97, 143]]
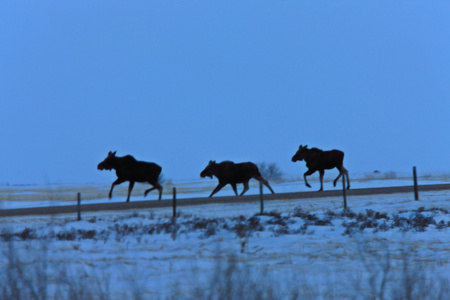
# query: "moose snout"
[[102, 167], [296, 158], [204, 174]]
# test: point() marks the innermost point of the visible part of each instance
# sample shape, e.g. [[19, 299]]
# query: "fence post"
[[416, 187], [261, 200], [174, 202], [78, 206], [343, 191]]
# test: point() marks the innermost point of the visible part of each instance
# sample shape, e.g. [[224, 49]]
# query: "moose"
[[319, 160], [129, 169], [228, 172]]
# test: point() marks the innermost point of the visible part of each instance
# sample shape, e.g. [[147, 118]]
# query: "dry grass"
[[56, 192], [68, 192]]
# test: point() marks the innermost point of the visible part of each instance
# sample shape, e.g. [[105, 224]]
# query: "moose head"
[[108, 162], [208, 171], [300, 155]]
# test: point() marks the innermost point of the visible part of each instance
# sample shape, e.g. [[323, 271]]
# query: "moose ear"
[[306, 146], [300, 147], [113, 153]]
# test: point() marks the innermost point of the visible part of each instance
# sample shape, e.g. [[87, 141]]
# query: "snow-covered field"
[[384, 247]]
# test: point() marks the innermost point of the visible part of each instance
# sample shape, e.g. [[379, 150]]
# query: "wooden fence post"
[[343, 191], [79, 206], [174, 202], [261, 200], [416, 187]]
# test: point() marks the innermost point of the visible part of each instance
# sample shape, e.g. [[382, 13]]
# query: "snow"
[[308, 246]]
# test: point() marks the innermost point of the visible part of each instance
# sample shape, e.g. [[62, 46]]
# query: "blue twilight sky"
[[182, 82]]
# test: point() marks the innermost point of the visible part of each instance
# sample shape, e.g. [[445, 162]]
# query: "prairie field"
[[49, 194], [382, 247]]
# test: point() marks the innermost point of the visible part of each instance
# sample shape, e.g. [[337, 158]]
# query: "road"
[[69, 209]]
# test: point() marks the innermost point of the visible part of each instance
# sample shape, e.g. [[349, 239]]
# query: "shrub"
[[270, 171]]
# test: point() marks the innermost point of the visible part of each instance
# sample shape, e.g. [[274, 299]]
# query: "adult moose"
[[129, 169], [228, 172], [319, 160]]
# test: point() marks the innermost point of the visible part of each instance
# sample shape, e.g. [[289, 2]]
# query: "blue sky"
[[182, 82]]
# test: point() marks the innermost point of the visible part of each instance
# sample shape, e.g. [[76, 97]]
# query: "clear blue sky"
[[182, 82]]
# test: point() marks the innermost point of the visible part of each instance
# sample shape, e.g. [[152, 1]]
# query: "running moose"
[[319, 160], [129, 169], [228, 172]]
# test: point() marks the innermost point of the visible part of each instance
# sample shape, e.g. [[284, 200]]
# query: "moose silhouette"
[[129, 169], [319, 160], [228, 172]]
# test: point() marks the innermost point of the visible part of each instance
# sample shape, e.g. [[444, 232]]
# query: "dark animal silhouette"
[[129, 169], [228, 172], [319, 160]]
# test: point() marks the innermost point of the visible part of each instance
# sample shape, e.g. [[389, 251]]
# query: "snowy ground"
[[385, 247]]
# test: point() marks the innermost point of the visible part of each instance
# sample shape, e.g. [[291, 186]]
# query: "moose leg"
[[245, 188], [130, 187], [321, 172], [337, 178], [342, 172], [307, 173], [218, 188], [118, 181], [233, 185], [148, 191], [156, 186], [266, 183]]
